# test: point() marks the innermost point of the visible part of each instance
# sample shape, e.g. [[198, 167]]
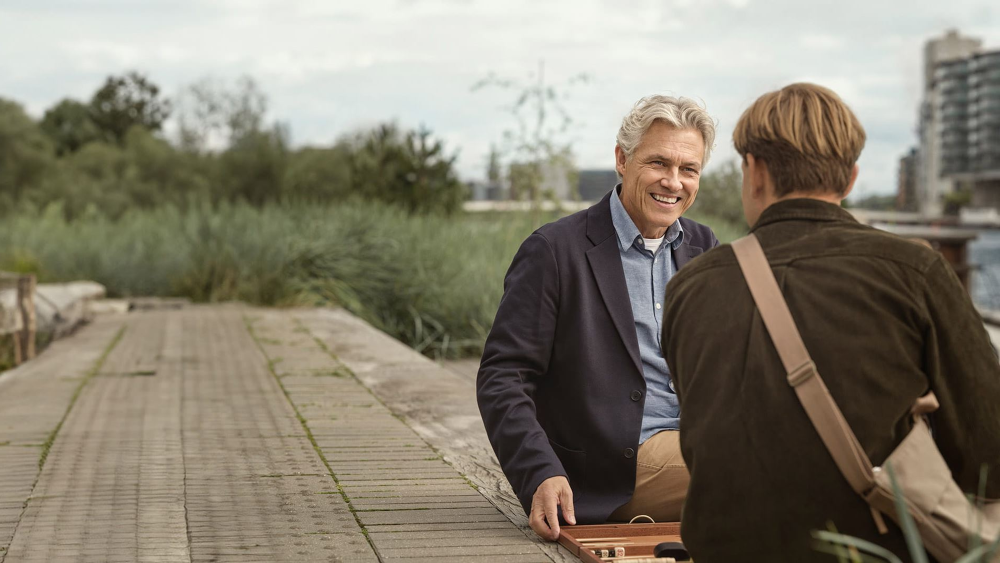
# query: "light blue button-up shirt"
[[646, 275]]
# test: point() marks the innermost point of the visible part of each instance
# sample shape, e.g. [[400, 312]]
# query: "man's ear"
[[620, 161], [854, 178], [757, 172]]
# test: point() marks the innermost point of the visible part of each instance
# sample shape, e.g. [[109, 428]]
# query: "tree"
[[319, 175], [254, 168], [408, 169], [956, 200], [146, 172], [211, 114], [719, 193], [26, 154], [94, 177], [70, 126], [200, 116], [126, 101], [160, 172], [246, 107], [536, 150], [254, 160]]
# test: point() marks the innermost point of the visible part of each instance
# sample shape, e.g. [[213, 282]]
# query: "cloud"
[[99, 55], [821, 42], [329, 67]]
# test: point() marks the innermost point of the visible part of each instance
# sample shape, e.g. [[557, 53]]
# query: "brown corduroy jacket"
[[884, 319]]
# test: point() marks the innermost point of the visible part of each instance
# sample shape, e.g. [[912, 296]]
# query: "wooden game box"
[[635, 541]]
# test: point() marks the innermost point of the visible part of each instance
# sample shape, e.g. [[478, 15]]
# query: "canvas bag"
[[943, 514]]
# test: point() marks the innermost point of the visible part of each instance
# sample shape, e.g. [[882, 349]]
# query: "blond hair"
[[681, 113], [806, 134]]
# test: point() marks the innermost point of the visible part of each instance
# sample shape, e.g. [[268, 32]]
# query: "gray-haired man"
[[573, 388]]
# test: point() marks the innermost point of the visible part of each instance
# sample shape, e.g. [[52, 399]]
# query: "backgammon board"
[[627, 543]]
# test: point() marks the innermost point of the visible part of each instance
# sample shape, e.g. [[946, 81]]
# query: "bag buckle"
[[801, 374], [872, 487], [869, 495]]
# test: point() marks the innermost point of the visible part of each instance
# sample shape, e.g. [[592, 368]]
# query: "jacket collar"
[[599, 223], [606, 263], [803, 209], [628, 232]]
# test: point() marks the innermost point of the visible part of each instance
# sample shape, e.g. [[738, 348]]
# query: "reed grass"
[[431, 281]]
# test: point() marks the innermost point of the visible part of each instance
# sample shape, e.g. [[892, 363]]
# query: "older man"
[[884, 319], [573, 388]]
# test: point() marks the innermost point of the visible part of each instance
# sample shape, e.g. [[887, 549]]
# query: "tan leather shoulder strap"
[[802, 375]]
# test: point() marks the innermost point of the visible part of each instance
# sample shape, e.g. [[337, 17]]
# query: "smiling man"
[[573, 387]]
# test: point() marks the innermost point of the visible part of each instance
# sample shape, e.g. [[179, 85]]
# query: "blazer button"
[[629, 453], [636, 395]]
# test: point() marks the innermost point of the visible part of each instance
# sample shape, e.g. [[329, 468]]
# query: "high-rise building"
[[959, 124], [950, 47], [968, 91], [943, 115], [983, 136]]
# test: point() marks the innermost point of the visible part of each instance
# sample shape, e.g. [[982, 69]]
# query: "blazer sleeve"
[[516, 355], [965, 375]]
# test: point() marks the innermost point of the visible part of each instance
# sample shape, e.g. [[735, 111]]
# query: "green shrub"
[[719, 194]]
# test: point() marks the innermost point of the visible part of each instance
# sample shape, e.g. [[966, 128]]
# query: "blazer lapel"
[[606, 263], [685, 253]]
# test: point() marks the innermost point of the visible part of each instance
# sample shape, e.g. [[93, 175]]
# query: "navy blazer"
[[559, 375]]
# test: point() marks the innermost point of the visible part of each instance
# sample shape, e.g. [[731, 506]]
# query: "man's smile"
[[666, 201]]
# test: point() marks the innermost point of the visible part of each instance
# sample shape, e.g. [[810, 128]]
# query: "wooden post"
[[26, 304], [16, 337]]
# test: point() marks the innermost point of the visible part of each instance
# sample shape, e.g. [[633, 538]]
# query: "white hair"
[[682, 113]]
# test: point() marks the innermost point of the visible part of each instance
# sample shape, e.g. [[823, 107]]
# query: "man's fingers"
[[537, 522], [551, 507], [566, 501], [544, 514]]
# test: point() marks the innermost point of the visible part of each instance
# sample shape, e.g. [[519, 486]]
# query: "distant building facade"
[[557, 180], [591, 185], [487, 191], [906, 192], [594, 184], [973, 146], [933, 186], [959, 127]]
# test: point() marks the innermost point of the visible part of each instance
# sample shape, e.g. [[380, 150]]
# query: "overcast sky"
[[330, 67]]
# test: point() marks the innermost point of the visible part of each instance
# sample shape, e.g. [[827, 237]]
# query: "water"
[[984, 255]]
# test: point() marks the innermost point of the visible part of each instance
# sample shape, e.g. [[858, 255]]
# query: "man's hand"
[[551, 494]]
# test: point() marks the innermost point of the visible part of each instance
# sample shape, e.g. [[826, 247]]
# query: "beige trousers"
[[661, 481]]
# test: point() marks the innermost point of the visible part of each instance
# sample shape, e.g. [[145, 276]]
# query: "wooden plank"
[[33, 400], [438, 403]]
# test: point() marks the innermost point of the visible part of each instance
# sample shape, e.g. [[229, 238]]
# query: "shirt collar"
[[628, 232], [803, 208]]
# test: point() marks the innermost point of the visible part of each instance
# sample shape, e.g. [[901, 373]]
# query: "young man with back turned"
[[885, 321]]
